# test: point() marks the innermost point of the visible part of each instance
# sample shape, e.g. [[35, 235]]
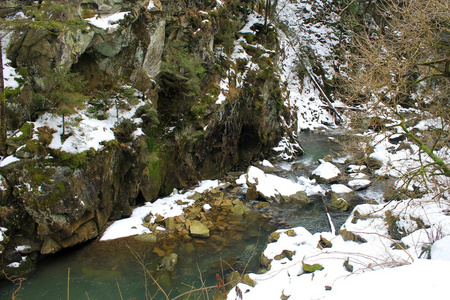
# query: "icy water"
[[109, 270]]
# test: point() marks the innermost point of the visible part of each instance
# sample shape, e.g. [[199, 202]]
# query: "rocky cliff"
[[210, 101]]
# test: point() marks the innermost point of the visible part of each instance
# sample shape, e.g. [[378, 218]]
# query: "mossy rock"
[[273, 237], [339, 204], [350, 236], [373, 163], [394, 230], [307, 268]]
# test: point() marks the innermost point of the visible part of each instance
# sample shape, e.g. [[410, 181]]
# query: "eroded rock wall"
[[53, 203]]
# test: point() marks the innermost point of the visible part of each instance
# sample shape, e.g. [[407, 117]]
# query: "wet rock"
[[285, 254], [264, 261], [198, 229], [170, 223], [339, 203], [5, 191], [396, 138], [262, 205], [239, 209], [350, 236], [373, 163], [273, 237], [168, 263], [84, 233], [299, 198], [251, 193], [324, 243], [159, 252], [291, 233], [235, 277], [147, 238]]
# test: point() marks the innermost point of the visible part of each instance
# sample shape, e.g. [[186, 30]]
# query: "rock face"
[[53, 200]]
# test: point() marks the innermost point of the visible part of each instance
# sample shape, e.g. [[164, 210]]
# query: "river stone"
[[198, 229], [251, 193], [262, 205], [147, 237], [339, 203], [169, 223], [299, 197], [238, 209]]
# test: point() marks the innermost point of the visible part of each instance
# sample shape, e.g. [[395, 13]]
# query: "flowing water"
[[109, 270]]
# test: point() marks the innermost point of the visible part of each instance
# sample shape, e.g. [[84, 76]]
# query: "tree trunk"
[[2, 107], [266, 15]]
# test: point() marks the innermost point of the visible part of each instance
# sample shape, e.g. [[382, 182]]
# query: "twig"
[[120, 293], [68, 282], [13, 296], [332, 228]]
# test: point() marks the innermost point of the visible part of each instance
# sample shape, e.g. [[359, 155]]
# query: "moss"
[[74, 160], [27, 132], [395, 232], [154, 169], [39, 174]]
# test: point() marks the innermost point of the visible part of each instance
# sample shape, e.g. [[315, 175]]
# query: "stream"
[[109, 270]]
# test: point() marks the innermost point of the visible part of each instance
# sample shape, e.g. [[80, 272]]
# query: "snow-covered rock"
[[325, 172], [340, 189], [274, 188], [359, 184]]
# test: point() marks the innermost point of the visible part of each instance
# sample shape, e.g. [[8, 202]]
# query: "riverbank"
[[397, 246]]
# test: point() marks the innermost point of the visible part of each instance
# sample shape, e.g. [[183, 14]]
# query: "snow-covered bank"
[[357, 269]]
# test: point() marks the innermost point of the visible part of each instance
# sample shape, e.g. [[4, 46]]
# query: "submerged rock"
[[168, 263]]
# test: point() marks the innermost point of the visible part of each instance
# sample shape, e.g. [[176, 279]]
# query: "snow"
[[22, 248], [150, 5], [270, 185], [9, 73], [326, 170], [8, 160], [441, 249], [423, 279], [166, 207], [359, 184], [2, 234], [88, 133], [319, 39], [267, 163], [374, 261], [13, 265], [207, 207], [108, 22], [340, 189]]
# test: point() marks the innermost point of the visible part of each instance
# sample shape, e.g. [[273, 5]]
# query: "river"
[[109, 270]]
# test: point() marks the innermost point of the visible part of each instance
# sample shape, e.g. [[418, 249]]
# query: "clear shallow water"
[[99, 269]]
